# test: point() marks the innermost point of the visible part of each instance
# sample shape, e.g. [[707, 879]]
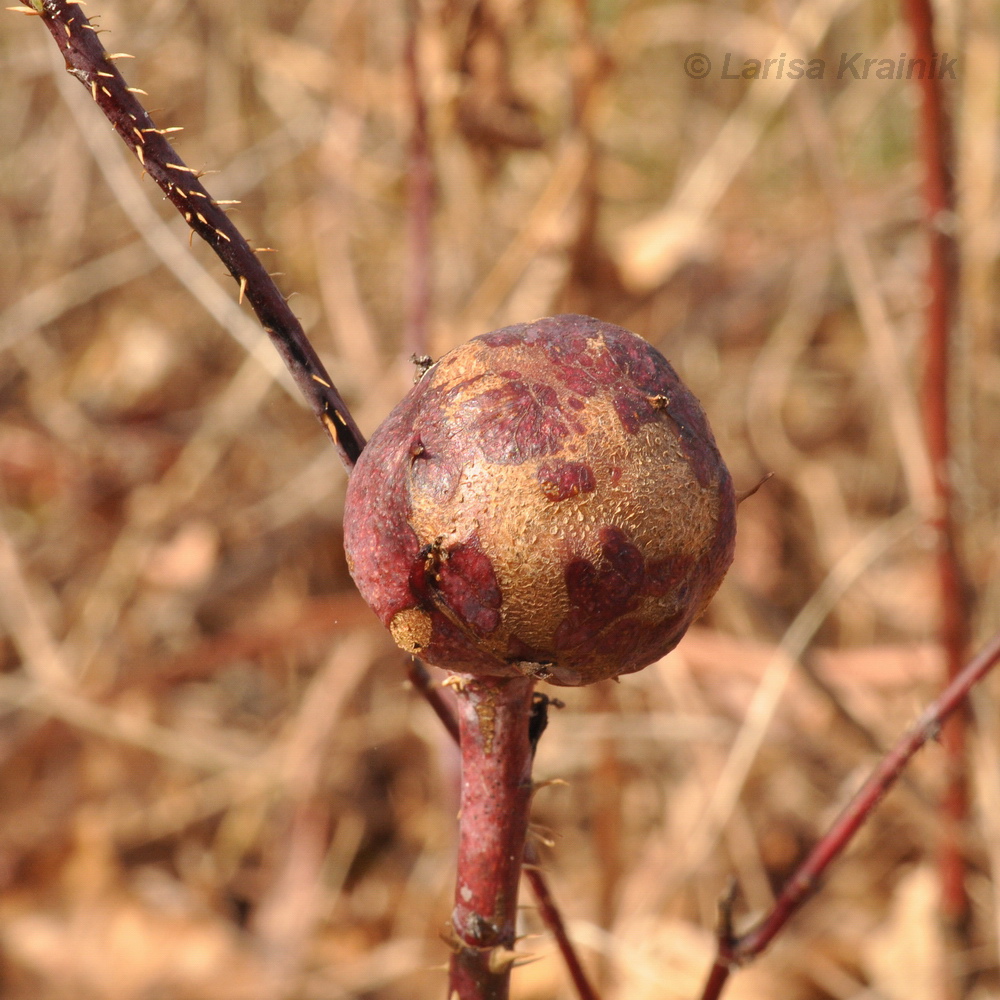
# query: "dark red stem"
[[734, 952], [423, 682], [553, 920], [493, 716], [935, 141], [547, 907], [88, 60]]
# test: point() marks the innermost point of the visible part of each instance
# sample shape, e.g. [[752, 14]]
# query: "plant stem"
[[554, 921], [734, 952], [493, 716], [942, 281], [547, 906], [88, 60]]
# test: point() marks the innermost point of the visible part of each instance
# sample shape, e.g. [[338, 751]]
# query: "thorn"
[[540, 837], [105, 89], [190, 238], [451, 939], [197, 194], [187, 217], [181, 167], [93, 89], [550, 783], [30, 11], [107, 76], [527, 960], [316, 378], [331, 427], [264, 250], [69, 34], [112, 56], [140, 154], [243, 288], [201, 218], [228, 201], [219, 232], [501, 959], [137, 90], [276, 274], [746, 494], [138, 133]]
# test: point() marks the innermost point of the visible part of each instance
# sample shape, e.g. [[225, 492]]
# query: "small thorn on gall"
[[569, 515]]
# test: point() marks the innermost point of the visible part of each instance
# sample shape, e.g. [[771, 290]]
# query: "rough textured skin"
[[547, 500]]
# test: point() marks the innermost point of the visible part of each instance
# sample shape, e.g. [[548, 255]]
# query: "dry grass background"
[[214, 782]]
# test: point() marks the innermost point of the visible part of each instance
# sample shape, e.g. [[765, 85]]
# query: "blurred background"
[[215, 782]]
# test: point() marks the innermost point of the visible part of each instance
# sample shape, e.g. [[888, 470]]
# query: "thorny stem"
[[88, 60], [493, 717], [547, 907], [734, 952], [942, 281]]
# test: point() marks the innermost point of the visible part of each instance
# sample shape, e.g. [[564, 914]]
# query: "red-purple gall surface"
[[547, 500]]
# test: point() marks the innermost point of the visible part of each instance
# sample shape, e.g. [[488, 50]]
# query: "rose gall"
[[548, 500]]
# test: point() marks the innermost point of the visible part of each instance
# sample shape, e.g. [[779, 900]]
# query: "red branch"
[[553, 920], [422, 681], [734, 952], [942, 281], [88, 60], [493, 716], [547, 907]]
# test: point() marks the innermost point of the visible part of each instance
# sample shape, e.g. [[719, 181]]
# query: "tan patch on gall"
[[411, 629]]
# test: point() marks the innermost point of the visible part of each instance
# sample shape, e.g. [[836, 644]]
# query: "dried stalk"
[[88, 60], [734, 952]]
